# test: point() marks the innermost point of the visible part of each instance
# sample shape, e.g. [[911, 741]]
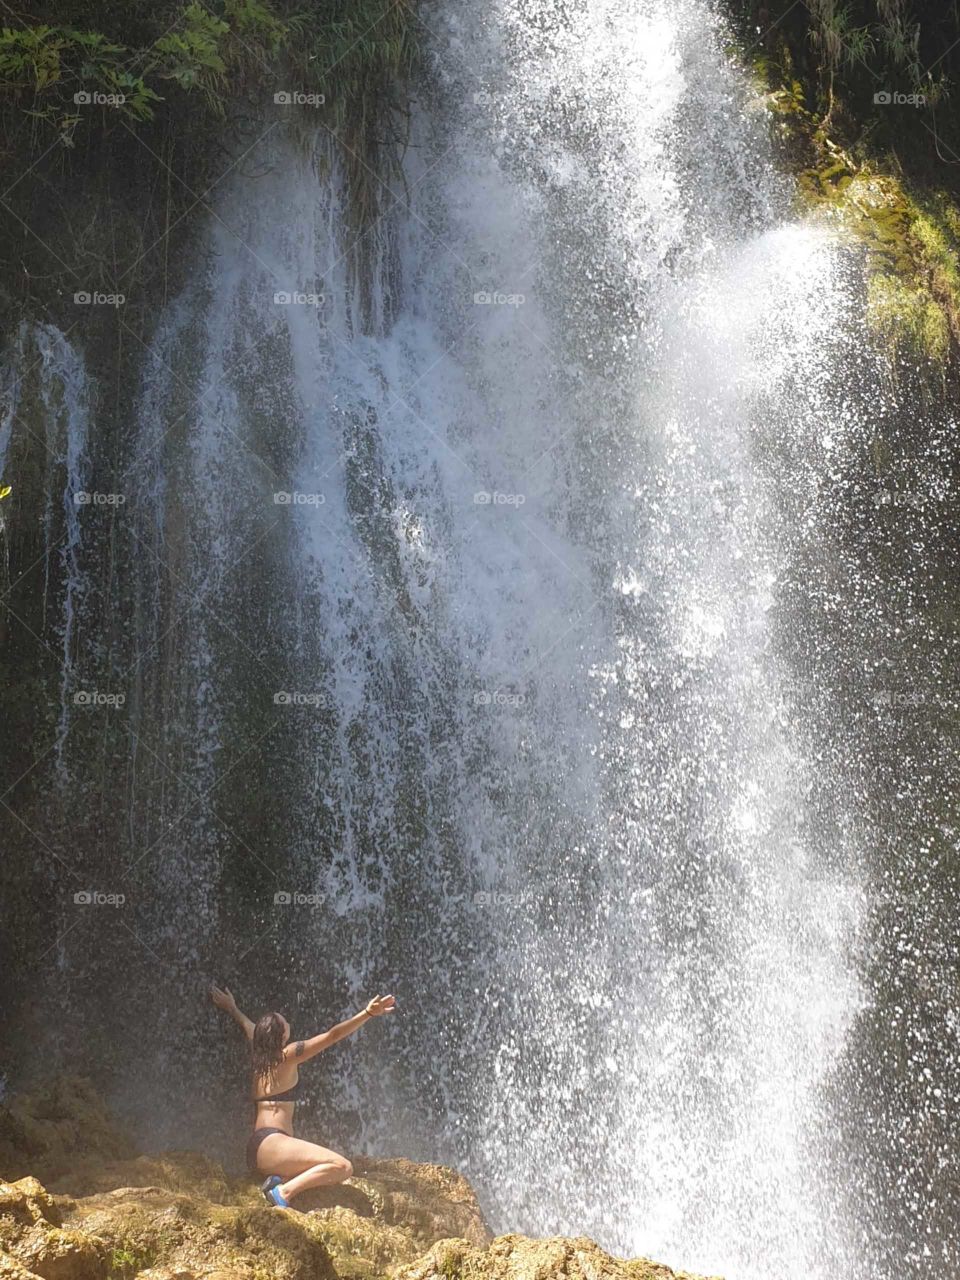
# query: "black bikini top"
[[288, 1095]]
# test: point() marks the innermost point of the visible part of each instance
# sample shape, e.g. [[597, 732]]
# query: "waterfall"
[[473, 632], [42, 355]]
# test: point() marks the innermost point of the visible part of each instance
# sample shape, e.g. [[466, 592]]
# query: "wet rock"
[[515, 1257], [185, 1171], [106, 1213], [57, 1127], [33, 1240], [11, 1269]]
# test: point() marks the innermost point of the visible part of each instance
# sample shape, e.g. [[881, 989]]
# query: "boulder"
[[12, 1269], [56, 1126], [34, 1242]]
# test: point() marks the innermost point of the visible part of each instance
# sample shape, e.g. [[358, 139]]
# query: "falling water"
[[41, 353], [474, 644]]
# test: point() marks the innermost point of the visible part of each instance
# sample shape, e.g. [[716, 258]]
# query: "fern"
[[354, 51], [192, 56], [255, 19]]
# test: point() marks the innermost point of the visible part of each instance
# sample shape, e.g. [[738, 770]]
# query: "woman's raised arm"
[[301, 1050], [225, 1001]]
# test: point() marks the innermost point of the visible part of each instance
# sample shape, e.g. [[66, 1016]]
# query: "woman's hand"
[[222, 999], [380, 1004]]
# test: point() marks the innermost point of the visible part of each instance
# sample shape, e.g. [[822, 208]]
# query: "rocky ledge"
[[90, 1208]]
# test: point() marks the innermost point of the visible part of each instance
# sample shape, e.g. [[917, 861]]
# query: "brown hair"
[[267, 1046]]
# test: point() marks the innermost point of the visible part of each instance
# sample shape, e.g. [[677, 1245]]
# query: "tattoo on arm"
[[298, 1051]]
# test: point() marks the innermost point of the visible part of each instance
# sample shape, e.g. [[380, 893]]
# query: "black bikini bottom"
[[253, 1145]]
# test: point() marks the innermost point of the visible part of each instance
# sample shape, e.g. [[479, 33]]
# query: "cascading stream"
[[463, 647]]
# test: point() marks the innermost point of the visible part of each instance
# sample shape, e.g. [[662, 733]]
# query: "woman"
[[294, 1165]]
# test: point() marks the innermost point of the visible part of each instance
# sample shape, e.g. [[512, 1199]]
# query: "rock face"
[[113, 1215], [514, 1257]]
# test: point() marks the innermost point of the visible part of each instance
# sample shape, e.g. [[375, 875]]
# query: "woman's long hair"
[[267, 1047]]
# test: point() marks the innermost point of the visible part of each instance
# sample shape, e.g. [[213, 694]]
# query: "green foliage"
[[30, 57], [252, 19], [127, 1259], [60, 70], [881, 72], [911, 242], [360, 41], [450, 1266], [835, 33], [882, 165], [907, 319], [349, 50], [191, 54]]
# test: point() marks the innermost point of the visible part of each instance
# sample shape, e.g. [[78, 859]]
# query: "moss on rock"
[[909, 237], [179, 1216], [59, 1125], [34, 1242], [515, 1257], [374, 1228]]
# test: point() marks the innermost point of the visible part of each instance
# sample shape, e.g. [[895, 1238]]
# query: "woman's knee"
[[344, 1168]]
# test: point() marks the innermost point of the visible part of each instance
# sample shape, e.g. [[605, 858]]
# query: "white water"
[[42, 357], [583, 669], [524, 606]]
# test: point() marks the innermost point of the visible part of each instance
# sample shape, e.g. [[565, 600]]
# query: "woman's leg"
[[303, 1164]]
